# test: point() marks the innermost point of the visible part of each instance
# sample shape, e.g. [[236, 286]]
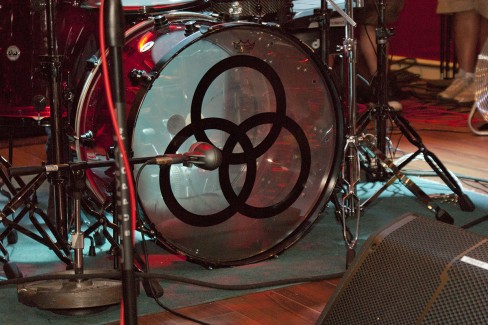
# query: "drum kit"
[[233, 74]]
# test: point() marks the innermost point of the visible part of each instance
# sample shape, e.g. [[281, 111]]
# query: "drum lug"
[[138, 76], [160, 22], [92, 62], [194, 26], [219, 17], [191, 27]]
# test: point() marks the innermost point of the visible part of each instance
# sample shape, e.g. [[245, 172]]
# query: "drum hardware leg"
[[350, 207], [387, 164], [11, 143], [77, 237], [380, 113], [324, 22], [338, 213], [445, 48], [22, 197], [30, 206], [104, 223], [12, 236]]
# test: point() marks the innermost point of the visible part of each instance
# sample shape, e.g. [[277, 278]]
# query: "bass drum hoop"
[[156, 8], [96, 70], [327, 185]]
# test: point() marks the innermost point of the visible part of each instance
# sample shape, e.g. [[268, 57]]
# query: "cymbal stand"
[[380, 112], [349, 206], [52, 67]]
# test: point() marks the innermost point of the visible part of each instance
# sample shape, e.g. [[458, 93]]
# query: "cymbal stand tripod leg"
[[104, 223]]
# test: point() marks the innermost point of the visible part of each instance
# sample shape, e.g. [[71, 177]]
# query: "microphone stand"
[[75, 295], [114, 25]]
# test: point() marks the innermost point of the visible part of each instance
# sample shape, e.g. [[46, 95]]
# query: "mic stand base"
[[78, 296], [72, 297]]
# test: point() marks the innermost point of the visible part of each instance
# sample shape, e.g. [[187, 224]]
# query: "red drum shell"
[[144, 46], [22, 29]]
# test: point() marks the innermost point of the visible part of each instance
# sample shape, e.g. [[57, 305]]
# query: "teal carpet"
[[319, 253]]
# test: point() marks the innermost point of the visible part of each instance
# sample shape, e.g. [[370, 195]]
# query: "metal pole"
[[52, 65]]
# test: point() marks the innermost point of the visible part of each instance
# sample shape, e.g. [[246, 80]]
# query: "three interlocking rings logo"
[[237, 135]]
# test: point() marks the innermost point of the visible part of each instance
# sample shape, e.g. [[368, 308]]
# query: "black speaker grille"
[[397, 275], [464, 299]]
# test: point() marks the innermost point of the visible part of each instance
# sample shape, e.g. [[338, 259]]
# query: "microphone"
[[201, 154], [204, 156]]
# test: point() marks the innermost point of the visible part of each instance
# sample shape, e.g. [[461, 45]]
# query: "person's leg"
[[467, 96], [483, 35], [466, 36], [367, 45], [478, 31]]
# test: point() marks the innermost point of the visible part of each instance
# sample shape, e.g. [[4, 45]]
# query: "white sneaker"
[[396, 105], [467, 96], [459, 83]]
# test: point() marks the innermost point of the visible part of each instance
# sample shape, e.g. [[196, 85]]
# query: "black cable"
[[149, 285], [173, 278]]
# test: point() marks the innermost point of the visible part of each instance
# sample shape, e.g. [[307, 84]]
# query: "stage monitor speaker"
[[414, 271]]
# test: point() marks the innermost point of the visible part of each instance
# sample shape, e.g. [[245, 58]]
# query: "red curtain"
[[417, 31]]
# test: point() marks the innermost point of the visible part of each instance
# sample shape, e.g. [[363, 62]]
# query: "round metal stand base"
[[71, 297]]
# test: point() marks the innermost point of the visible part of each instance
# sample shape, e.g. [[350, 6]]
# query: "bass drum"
[[145, 43], [268, 104]]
